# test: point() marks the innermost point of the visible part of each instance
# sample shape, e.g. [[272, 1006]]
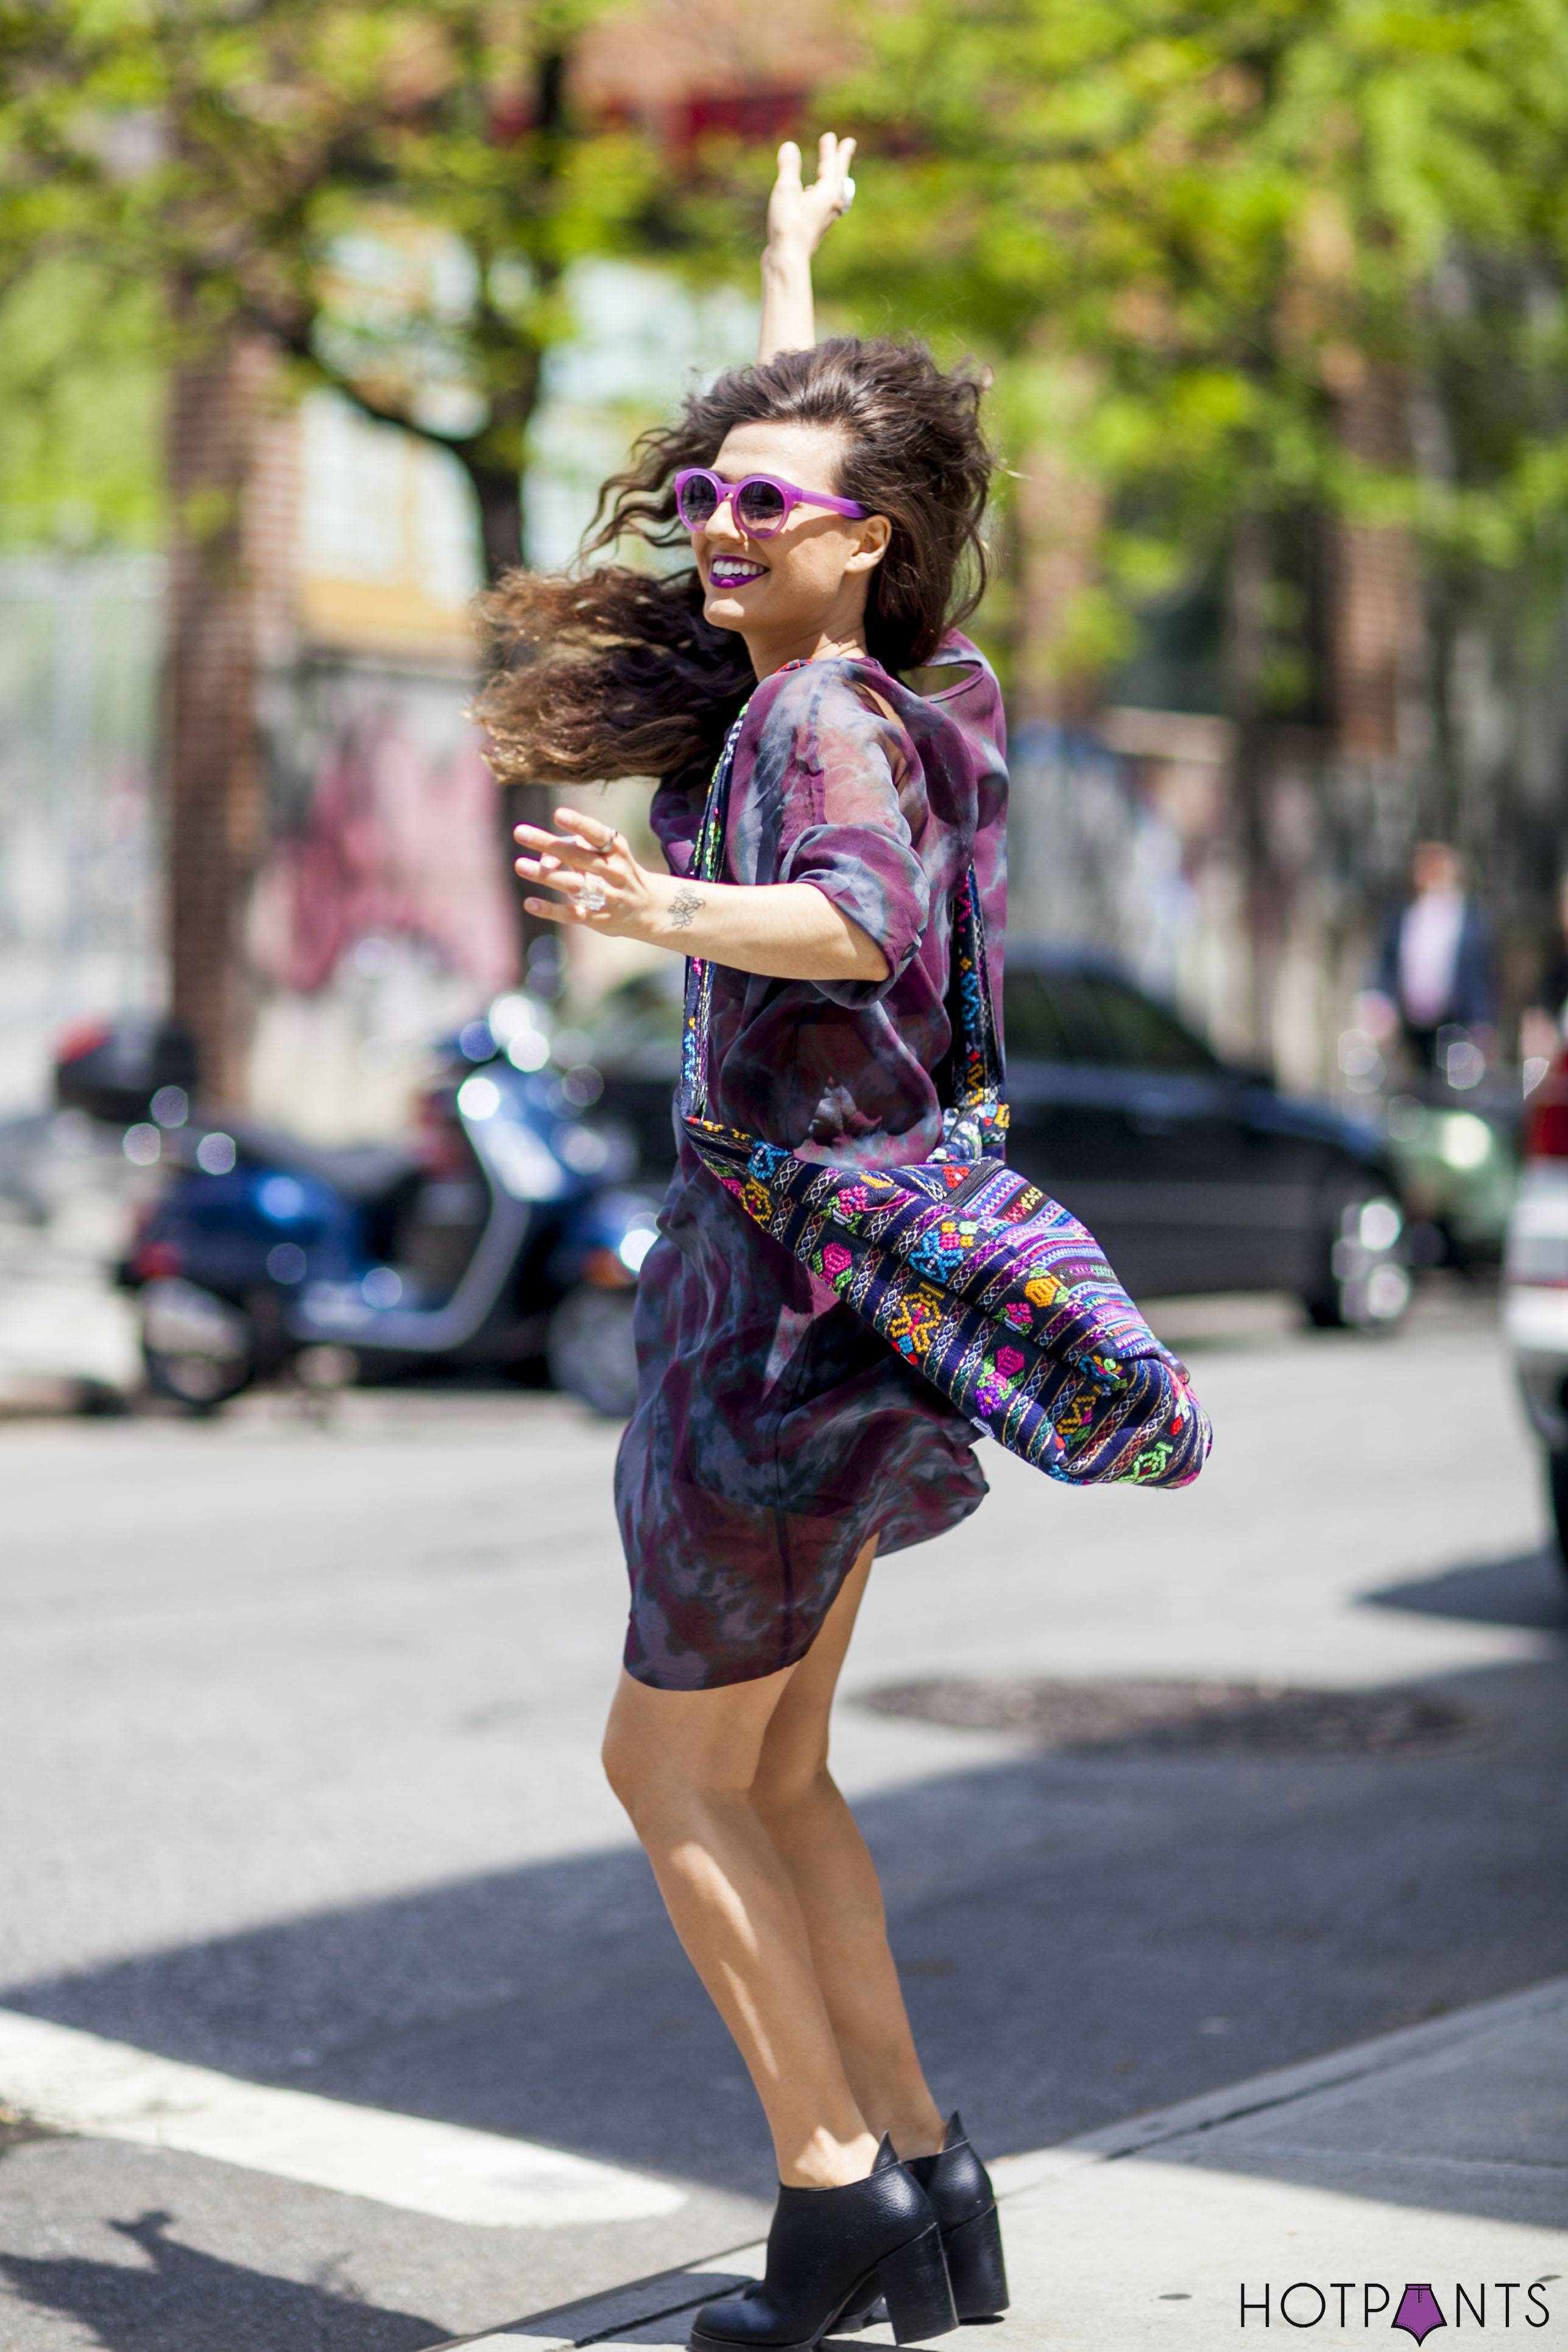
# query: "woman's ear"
[[873, 535]]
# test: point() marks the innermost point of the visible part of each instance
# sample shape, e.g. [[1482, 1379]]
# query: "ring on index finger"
[[591, 896], [846, 195], [611, 846]]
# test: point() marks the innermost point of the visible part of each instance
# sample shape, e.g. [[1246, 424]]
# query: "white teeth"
[[735, 575]]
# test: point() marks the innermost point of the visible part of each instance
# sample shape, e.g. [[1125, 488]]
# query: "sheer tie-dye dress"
[[775, 1433]]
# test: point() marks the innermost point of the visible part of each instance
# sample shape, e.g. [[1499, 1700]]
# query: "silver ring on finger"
[[611, 846], [591, 896], [847, 197]]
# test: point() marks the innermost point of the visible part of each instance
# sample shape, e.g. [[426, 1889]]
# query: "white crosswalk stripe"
[[76, 2082]]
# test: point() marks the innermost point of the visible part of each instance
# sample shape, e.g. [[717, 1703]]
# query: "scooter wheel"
[[195, 1381], [590, 1353], [198, 1350]]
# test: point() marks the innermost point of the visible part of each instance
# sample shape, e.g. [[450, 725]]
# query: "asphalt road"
[[299, 1782]]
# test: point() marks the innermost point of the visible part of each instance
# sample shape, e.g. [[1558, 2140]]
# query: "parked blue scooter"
[[512, 1231]]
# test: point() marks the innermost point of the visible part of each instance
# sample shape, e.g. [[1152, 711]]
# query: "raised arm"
[[798, 220]]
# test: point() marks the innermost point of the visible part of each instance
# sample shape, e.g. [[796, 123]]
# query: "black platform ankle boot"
[[830, 2248], [959, 2188]]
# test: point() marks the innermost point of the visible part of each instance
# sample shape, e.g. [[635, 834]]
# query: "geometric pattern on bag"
[[978, 1280]]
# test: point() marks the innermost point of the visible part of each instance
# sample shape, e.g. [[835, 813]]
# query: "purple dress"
[[774, 1433]]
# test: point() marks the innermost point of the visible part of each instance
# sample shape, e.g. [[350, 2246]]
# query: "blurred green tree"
[[385, 199], [1246, 214], [1279, 285], [74, 468], [388, 196]]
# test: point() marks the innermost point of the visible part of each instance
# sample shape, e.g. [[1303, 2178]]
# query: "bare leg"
[[836, 1885], [682, 1763], [774, 1897]]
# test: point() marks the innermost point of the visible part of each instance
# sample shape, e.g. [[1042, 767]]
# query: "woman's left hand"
[[589, 863], [800, 217]]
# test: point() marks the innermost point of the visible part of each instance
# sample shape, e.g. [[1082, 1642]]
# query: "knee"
[[791, 1782], [625, 1762], [656, 1777]]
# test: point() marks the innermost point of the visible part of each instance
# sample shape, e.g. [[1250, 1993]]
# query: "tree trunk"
[[498, 496], [215, 777], [1246, 657], [1055, 537], [1376, 606]]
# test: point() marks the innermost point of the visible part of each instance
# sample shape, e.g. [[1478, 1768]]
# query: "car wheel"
[[1363, 1282], [1557, 1489], [198, 1350], [590, 1352]]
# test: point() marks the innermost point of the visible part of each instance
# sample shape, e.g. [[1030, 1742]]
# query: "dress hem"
[[749, 1670]]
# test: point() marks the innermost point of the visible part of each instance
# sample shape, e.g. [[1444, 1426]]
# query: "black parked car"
[[1194, 1175]]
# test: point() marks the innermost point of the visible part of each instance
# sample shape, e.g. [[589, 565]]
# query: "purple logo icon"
[[1419, 2312]]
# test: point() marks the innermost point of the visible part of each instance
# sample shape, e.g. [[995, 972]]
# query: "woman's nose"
[[721, 523]]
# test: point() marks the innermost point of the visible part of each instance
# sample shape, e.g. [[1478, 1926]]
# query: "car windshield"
[[1087, 1016], [1140, 1035], [1045, 1017]]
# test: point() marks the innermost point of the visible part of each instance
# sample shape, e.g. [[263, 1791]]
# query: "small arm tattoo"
[[686, 903]]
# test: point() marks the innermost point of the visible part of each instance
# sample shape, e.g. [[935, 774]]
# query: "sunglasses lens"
[[761, 506], [696, 501]]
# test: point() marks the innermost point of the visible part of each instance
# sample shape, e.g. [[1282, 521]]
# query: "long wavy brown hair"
[[608, 671]]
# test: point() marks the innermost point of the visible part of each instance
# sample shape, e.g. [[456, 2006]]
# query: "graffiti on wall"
[[400, 840]]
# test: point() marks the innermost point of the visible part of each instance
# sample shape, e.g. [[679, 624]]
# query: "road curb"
[[1283, 2086], [594, 2319]]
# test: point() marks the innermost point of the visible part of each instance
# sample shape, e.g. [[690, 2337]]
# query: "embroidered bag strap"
[[707, 862], [976, 1057]]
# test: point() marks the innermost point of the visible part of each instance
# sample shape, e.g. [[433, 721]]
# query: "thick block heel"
[[918, 2298], [974, 2266]]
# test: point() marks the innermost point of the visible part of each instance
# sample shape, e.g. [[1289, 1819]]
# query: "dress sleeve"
[[854, 781], [675, 816]]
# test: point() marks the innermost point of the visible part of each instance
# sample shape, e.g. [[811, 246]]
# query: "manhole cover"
[[1189, 1718]]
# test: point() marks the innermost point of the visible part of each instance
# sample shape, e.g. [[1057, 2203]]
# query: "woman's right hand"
[[800, 217]]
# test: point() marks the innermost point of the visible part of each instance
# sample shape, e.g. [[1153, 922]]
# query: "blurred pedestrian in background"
[[1435, 970]]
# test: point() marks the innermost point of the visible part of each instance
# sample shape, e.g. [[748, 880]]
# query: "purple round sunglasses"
[[761, 504]]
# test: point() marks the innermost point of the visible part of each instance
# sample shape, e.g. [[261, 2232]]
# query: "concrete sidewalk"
[[1436, 2157]]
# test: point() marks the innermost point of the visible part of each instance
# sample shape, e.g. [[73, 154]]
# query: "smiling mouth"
[[726, 571]]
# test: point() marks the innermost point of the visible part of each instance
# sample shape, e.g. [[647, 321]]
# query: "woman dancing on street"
[[831, 498]]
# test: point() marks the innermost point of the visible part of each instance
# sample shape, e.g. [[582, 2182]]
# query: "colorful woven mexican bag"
[[977, 1278]]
